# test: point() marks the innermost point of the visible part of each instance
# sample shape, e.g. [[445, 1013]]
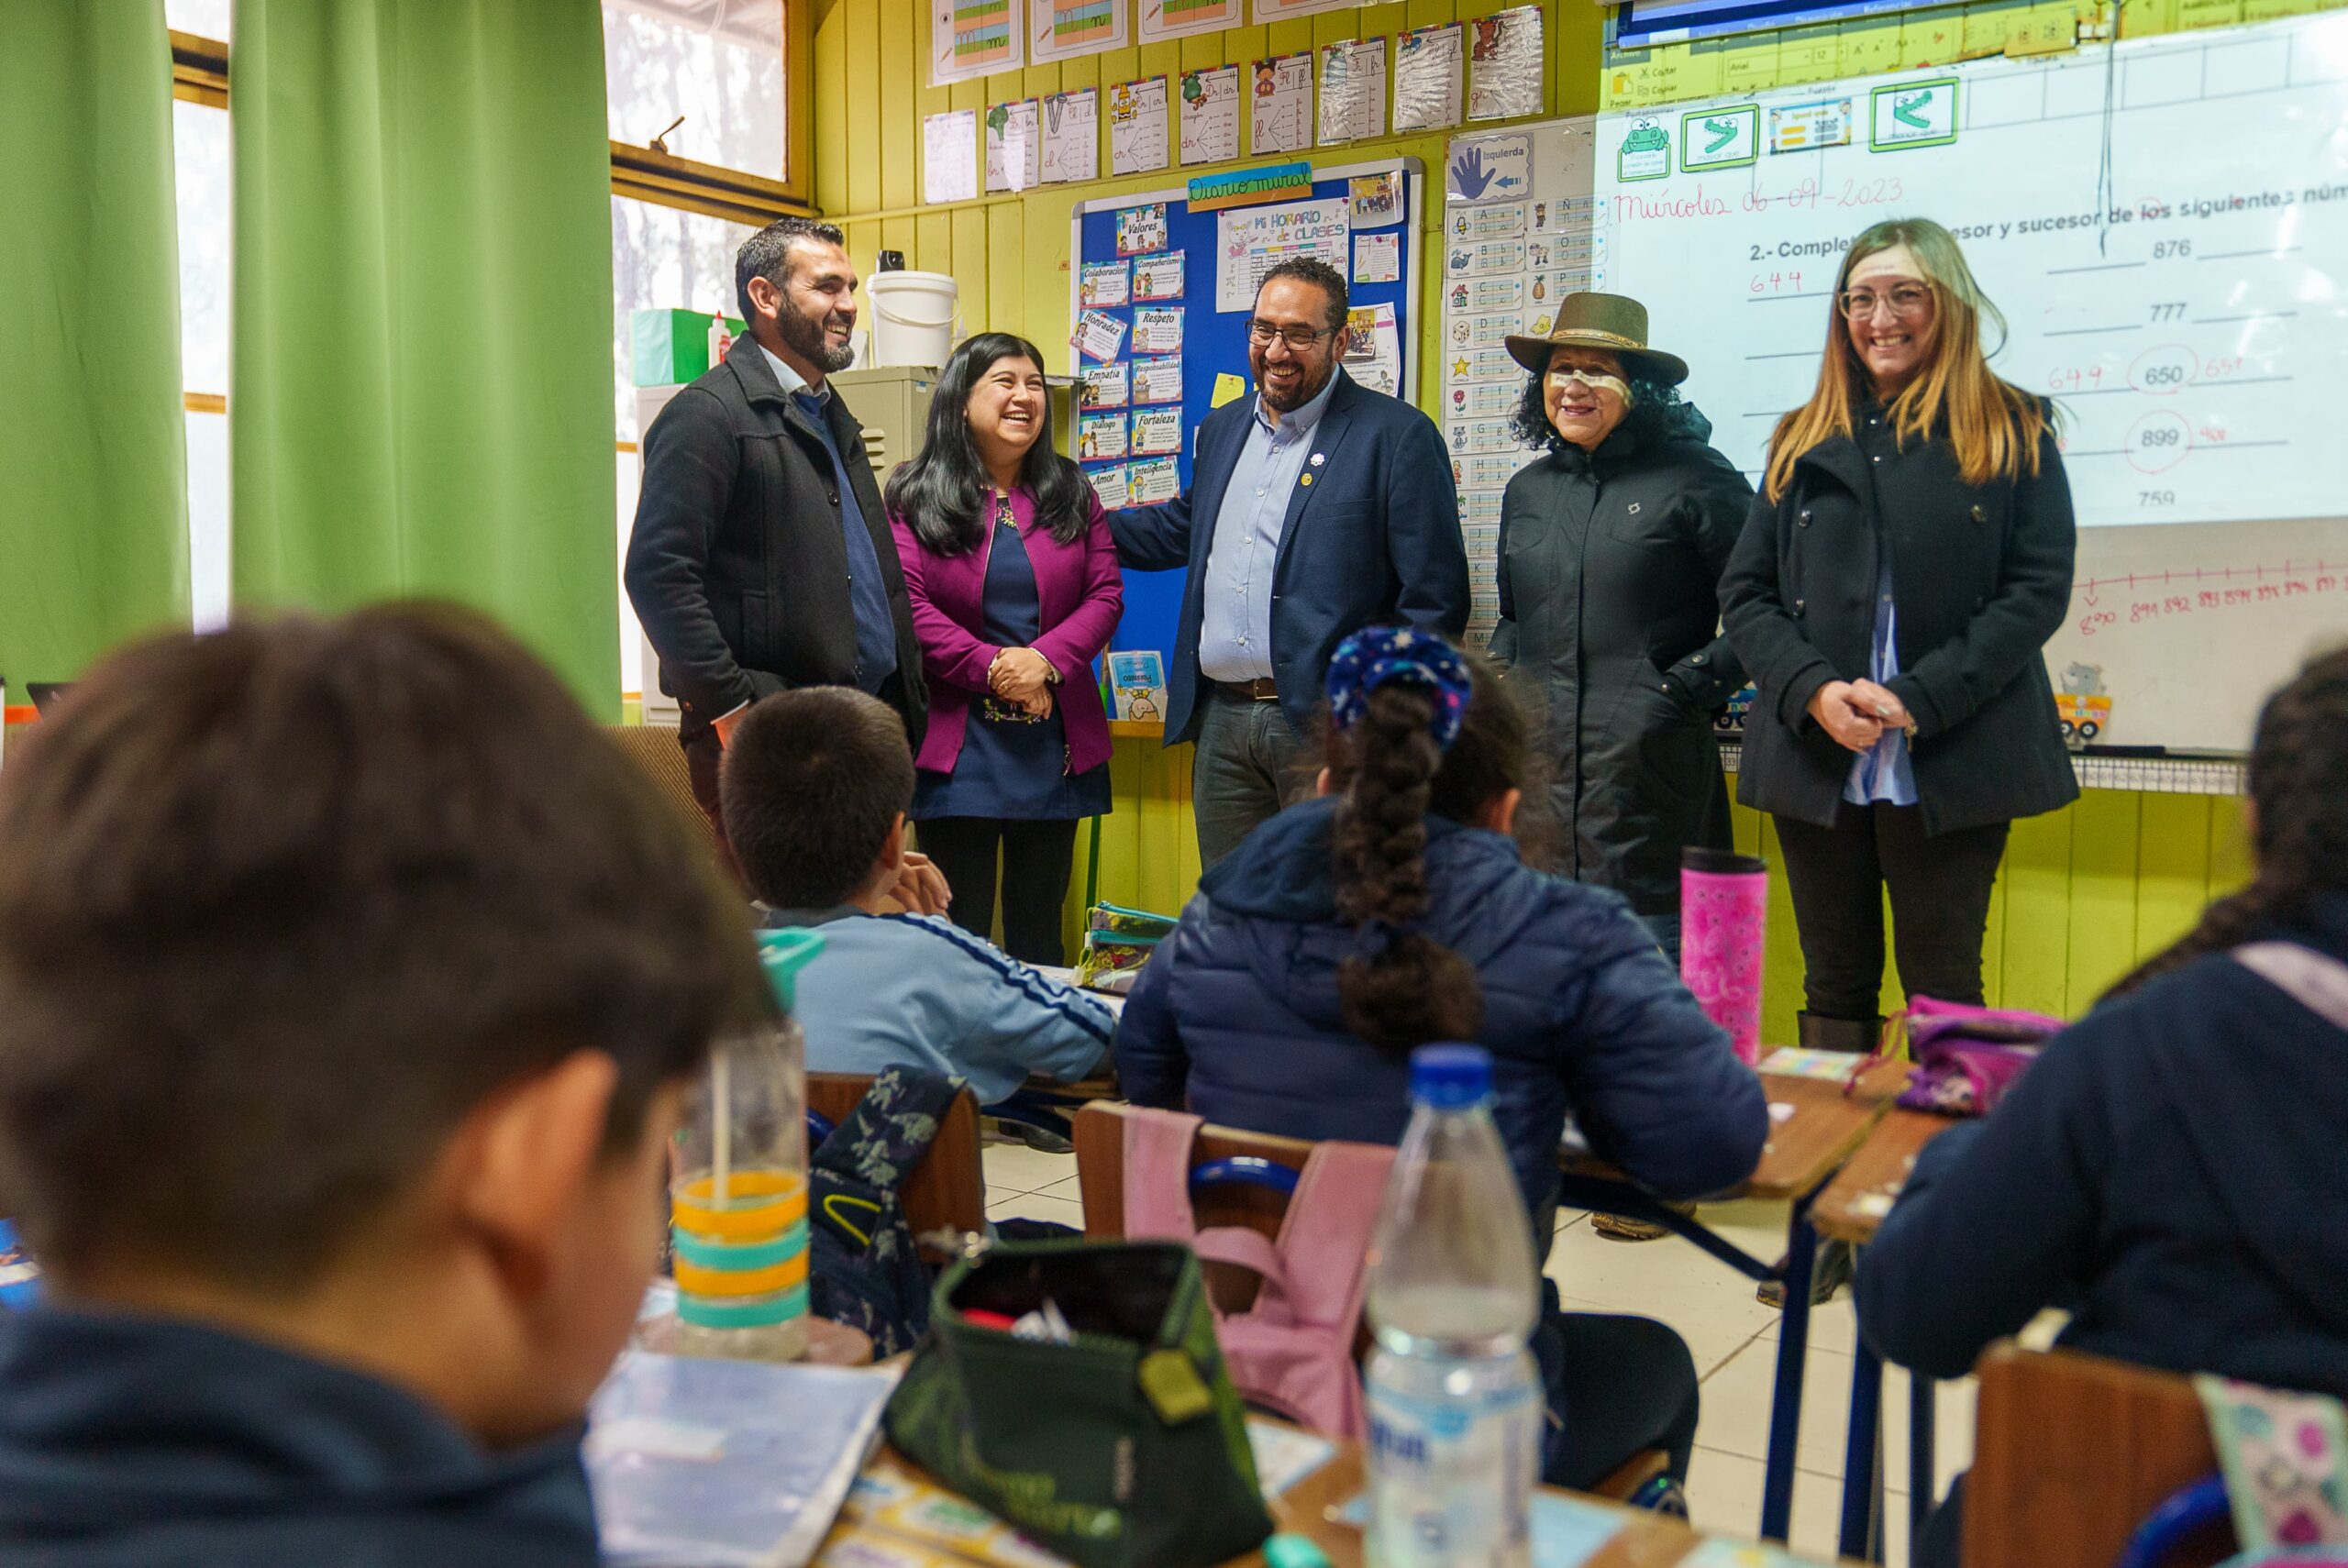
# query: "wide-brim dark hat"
[[1615, 323]]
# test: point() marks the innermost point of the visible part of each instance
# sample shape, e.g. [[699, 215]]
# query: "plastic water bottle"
[[1454, 1400]]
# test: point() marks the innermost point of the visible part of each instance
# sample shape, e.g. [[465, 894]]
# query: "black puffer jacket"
[[1981, 575], [1610, 563]]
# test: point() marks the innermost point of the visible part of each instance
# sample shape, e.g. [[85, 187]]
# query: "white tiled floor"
[[1733, 1337]]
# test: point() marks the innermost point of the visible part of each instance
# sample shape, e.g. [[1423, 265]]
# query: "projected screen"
[[1639, 23]]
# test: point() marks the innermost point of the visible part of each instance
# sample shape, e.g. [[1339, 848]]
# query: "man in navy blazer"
[[1316, 507]]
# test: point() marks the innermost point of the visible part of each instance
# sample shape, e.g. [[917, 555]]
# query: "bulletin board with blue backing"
[[1215, 342]]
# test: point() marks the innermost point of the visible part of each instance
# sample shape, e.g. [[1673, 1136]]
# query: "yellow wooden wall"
[[2084, 892], [1011, 252]]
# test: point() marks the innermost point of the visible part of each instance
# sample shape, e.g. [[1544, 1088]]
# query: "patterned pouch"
[[2285, 1461]]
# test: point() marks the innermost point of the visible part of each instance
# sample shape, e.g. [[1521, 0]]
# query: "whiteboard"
[[2165, 225]]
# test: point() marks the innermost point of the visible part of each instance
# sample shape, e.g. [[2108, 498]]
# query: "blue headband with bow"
[[1377, 655]]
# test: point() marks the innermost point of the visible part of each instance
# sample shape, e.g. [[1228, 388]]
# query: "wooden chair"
[[2071, 1454], [653, 747], [948, 1189], [1242, 1197]]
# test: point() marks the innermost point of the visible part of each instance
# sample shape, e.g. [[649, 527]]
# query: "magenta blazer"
[[1080, 595]]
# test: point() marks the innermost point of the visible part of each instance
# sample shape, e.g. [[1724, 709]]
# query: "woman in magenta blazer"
[[1015, 588]]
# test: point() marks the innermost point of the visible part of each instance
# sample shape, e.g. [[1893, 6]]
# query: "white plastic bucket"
[[915, 317]]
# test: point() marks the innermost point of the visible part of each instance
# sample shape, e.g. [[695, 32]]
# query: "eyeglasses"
[[1905, 298], [1300, 339]]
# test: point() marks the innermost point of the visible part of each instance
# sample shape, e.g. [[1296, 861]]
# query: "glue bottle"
[[738, 1186]]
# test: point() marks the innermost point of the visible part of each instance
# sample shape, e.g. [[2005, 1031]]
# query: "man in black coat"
[[762, 558]]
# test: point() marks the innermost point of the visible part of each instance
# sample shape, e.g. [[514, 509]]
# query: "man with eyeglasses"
[[1316, 507]]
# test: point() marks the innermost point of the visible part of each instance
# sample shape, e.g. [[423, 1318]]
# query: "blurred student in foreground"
[[350, 982]]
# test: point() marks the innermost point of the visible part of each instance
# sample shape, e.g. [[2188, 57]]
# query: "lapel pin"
[[1304, 479], [1634, 508], [1318, 459]]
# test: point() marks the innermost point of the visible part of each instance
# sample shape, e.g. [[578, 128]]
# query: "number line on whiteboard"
[[2100, 267], [1765, 299], [2256, 572], [2255, 315], [2091, 331], [2239, 255]]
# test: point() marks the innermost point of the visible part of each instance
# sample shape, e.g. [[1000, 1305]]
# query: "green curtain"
[[421, 374], [93, 440]]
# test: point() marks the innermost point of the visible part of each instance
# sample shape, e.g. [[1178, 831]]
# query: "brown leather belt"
[[1260, 689]]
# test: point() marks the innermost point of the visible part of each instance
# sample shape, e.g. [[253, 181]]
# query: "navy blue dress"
[[1013, 767]]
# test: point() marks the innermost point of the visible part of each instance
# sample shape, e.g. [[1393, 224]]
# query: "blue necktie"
[[876, 629]]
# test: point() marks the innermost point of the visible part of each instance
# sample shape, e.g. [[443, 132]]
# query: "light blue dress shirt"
[[1883, 772], [1235, 634]]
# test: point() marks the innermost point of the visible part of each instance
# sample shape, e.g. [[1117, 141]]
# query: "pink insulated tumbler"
[[1723, 913]]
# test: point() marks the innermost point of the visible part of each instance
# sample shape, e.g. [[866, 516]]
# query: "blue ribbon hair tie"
[[1376, 655]]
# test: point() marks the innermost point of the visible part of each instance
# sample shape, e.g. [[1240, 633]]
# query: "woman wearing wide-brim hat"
[[1610, 551]]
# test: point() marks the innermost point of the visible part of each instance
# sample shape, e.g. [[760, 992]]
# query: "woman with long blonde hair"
[[1907, 558]]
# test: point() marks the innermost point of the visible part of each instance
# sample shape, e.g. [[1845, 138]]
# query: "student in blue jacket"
[[1393, 911], [814, 787], [2170, 1169]]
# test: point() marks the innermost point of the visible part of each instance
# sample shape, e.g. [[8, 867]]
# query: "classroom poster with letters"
[[1352, 90], [1105, 285], [1504, 64], [1159, 380], [1156, 481], [1099, 436], [1137, 125], [1158, 329], [950, 156], [1072, 135], [1282, 90], [1141, 228], [1103, 386], [1251, 241], [1268, 11], [1015, 146], [972, 38], [1429, 82], [1210, 115], [1062, 29], [1157, 431], [1157, 277], [1163, 19]]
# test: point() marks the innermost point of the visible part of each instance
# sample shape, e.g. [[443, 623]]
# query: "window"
[[200, 157], [205, 18], [719, 63], [661, 259]]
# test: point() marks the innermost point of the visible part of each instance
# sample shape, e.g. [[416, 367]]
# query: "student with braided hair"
[[2170, 1167], [1393, 911]]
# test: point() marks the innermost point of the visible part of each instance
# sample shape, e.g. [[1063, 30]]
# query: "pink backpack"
[[1292, 1351]]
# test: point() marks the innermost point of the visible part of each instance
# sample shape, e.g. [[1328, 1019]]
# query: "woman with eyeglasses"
[[1908, 557], [1610, 551], [1016, 590]]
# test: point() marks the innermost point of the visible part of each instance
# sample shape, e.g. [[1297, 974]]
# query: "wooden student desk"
[[1310, 1506], [1850, 1210], [1814, 1127]]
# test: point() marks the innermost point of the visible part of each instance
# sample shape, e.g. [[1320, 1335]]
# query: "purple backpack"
[[1967, 1057]]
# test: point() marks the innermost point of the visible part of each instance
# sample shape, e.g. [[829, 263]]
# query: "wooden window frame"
[[200, 75]]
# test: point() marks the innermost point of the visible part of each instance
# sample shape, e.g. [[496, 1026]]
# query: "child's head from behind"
[[814, 789], [346, 971], [1416, 729]]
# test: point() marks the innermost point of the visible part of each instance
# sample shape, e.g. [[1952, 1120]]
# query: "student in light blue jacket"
[[814, 787]]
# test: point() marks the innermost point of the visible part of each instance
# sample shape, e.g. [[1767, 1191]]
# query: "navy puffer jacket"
[[1236, 1015]]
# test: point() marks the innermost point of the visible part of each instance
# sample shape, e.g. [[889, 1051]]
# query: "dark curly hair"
[[1657, 414], [2298, 796], [1389, 776]]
